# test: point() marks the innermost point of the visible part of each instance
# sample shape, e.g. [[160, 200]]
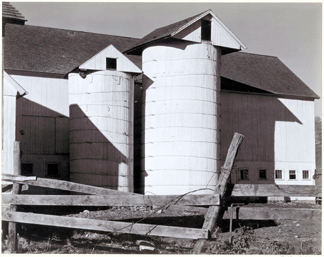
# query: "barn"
[[157, 114]]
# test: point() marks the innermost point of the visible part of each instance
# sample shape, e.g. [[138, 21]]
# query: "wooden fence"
[[207, 205]]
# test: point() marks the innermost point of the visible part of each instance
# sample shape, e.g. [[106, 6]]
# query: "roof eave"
[[140, 47]]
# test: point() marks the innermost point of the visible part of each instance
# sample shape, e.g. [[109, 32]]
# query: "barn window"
[[52, 170], [244, 174], [205, 30], [292, 174], [27, 169], [305, 174], [111, 63], [278, 174], [262, 174]]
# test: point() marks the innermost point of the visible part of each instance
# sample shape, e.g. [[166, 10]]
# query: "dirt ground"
[[248, 236]]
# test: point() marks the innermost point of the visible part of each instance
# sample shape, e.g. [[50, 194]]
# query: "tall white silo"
[[101, 129], [181, 105]]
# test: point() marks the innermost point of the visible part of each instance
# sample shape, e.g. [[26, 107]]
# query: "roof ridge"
[[36, 26], [189, 18]]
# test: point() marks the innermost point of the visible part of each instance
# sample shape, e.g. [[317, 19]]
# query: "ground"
[[248, 236]]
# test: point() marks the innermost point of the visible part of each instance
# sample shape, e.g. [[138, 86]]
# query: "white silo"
[[101, 129], [181, 104], [181, 91], [101, 137]]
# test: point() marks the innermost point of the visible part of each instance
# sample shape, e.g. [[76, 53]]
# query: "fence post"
[[12, 233]]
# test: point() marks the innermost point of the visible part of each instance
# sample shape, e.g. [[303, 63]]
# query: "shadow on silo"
[[94, 160]]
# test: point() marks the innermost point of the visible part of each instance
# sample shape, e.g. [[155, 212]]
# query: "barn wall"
[[279, 135], [42, 124], [8, 123]]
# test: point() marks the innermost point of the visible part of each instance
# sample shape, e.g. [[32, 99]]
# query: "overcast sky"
[[290, 31]]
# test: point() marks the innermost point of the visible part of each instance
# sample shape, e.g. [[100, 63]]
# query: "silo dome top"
[[205, 26]]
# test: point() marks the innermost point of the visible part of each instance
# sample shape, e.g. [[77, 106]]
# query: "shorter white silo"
[[101, 129]]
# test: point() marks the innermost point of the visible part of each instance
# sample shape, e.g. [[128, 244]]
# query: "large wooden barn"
[[157, 114]]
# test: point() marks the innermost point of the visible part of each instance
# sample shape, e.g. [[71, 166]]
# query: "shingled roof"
[[173, 29], [8, 11], [263, 72], [55, 51], [58, 52]]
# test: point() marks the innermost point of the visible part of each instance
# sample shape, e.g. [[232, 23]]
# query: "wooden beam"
[[17, 178], [111, 200], [274, 190], [103, 225], [270, 213], [68, 186], [12, 233]]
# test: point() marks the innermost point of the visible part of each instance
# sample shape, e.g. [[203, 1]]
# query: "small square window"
[[292, 174], [26, 169], [52, 170], [262, 174], [278, 174], [305, 174], [111, 63], [244, 174], [205, 30]]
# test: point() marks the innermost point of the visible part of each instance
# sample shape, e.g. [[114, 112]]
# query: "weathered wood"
[[267, 213], [274, 190], [191, 209], [17, 178], [69, 186], [103, 225], [12, 233], [111, 200], [6, 187], [213, 211]]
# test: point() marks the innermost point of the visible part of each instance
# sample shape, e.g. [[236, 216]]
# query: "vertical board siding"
[[46, 95], [8, 135], [62, 135], [39, 126], [279, 134]]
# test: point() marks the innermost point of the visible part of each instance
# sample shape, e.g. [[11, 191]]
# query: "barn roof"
[[8, 11], [263, 72], [55, 51], [173, 29]]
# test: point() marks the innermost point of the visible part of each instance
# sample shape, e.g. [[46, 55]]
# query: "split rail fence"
[[211, 206]]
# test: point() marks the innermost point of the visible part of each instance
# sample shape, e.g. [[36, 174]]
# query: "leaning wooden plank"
[[70, 186], [111, 200], [275, 190], [213, 211], [103, 225], [267, 213], [212, 214]]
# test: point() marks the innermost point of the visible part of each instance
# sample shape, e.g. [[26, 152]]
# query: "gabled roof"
[[98, 62], [8, 11], [266, 73], [175, 28], [55, 51]]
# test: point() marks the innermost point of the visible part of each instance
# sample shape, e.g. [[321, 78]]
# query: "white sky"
[[290, 31]]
